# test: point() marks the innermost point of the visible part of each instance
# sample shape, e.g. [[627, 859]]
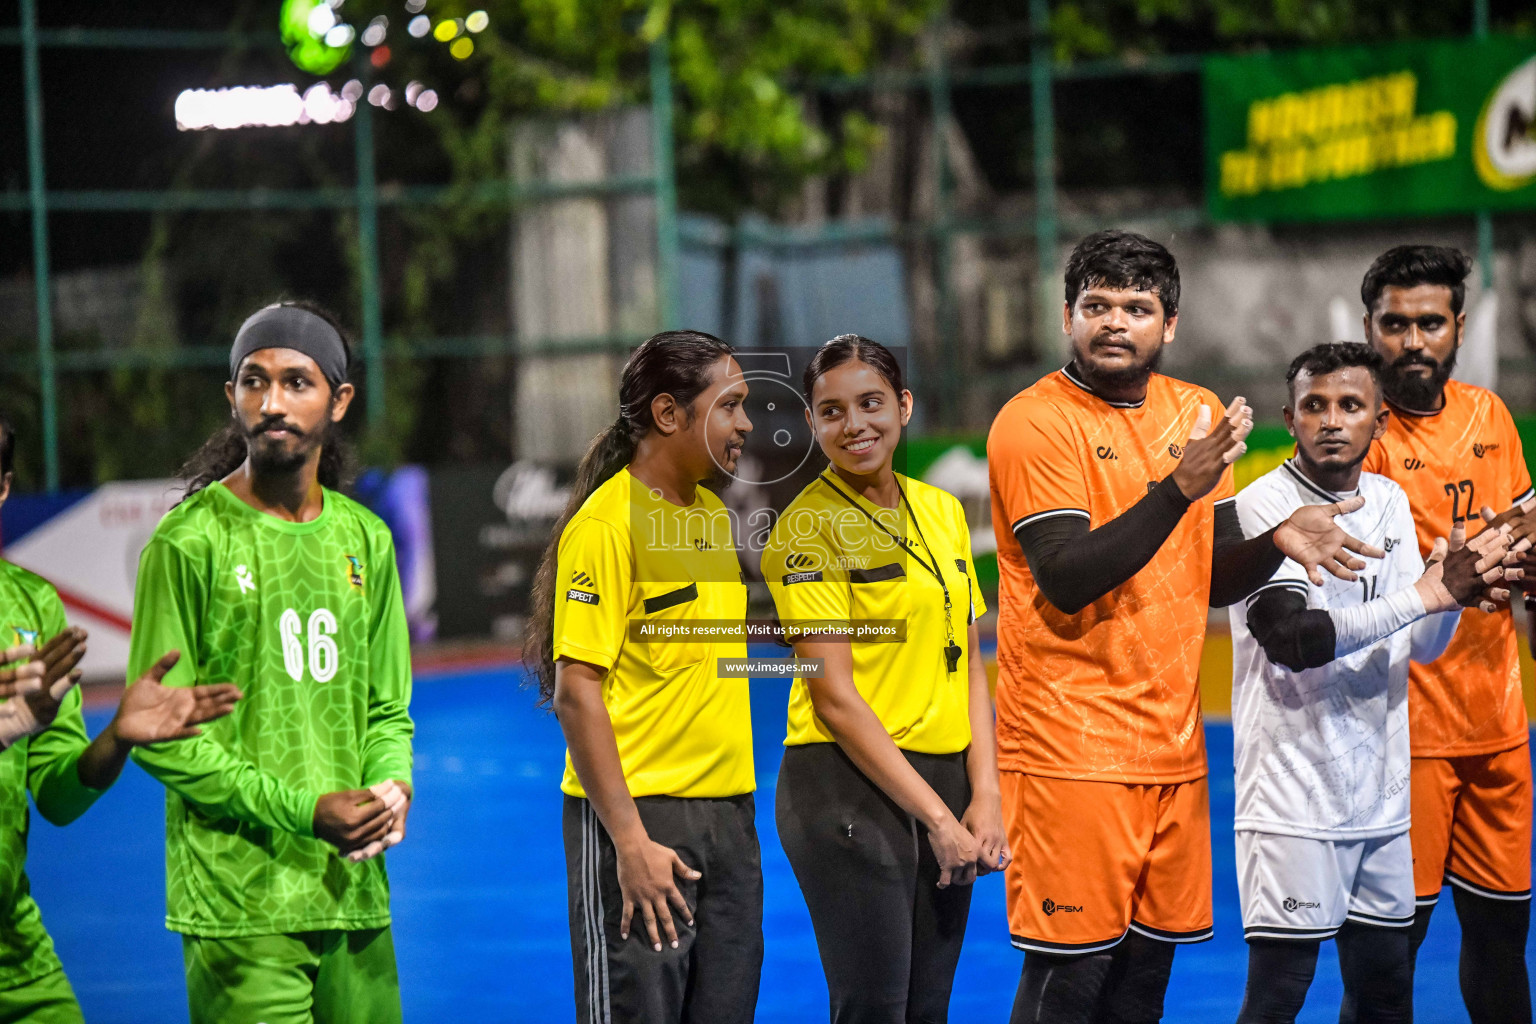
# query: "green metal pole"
[[1042, 105], [368, 265], [945, 356], [46, 371], [1484, 218], [662, 156]]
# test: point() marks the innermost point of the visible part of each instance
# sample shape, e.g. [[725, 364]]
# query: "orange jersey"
[[1109, 693], [1452, 463]]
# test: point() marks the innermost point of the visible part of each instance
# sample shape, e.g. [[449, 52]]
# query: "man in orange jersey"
[[1112, 501], [1453, 448]]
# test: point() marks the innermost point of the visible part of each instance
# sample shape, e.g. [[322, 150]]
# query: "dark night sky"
[[109, 124]]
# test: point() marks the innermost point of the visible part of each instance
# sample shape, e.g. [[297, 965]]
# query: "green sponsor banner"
[[1409, 129]]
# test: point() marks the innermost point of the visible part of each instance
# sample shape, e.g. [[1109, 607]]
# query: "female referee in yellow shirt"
[[888, 802], [658, 818]]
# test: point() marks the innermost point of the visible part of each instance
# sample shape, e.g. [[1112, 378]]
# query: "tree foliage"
[[735, 66], [1100, 28]]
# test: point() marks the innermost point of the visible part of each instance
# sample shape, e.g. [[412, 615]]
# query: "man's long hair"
[[223, 453]]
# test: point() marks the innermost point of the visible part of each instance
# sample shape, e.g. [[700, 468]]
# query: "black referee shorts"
[[712, 977], [889, 937]]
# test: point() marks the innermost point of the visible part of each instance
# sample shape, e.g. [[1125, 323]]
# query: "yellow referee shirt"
[[827, 560], [630, 565]]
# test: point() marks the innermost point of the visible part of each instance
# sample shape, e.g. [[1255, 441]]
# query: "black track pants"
[[712, 977], [889, 938]]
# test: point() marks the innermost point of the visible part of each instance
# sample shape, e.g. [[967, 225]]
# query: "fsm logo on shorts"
[[1293, 904], [1050, 907]]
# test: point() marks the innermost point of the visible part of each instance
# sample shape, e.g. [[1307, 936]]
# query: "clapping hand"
[[397, 798]]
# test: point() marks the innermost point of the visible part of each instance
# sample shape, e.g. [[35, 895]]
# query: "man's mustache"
[[274, 423]]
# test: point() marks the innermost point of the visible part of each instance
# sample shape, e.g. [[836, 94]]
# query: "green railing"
[[1046, 226]]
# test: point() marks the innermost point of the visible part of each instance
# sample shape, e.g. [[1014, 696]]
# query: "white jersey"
[[1324, 752]]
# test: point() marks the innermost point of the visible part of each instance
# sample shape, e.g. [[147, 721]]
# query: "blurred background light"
[[261, 107], [378, 95], [374, 34], [477, 22], [419, 26], [316, 40], [321, 20], [427, 101], [445, 30], [462, 47]]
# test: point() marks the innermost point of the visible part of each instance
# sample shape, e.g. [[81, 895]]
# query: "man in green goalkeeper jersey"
[[44, 748], [266, 576]]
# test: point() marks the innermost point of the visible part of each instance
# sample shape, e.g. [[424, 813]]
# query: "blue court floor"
[[479, 889]]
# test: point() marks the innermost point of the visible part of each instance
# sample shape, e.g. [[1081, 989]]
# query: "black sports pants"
[[712, 977], [889, 938]]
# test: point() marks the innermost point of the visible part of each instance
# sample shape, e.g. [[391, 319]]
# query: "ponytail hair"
[[847, 348], [675, 363]]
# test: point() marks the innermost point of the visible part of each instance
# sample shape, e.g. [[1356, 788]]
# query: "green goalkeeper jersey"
[[308, 620], [45, 764]]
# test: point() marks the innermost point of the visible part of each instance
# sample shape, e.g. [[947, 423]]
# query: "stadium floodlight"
[[316, 39], [261, 107]]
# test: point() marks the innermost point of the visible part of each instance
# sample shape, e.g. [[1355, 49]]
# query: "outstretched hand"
[[1313, 540], [151, 712]]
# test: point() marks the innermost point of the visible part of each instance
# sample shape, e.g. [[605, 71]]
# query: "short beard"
[[1122, 379], [1329, 470], [720, 480], [1421, 394]]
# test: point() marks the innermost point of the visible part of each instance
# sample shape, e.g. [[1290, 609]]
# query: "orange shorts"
[[1472, 824], [1093, 859]]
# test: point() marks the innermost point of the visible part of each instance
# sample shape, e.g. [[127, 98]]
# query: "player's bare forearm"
[[981, 756], [102, 761], [984, 815], [594, 751], [861, 735]]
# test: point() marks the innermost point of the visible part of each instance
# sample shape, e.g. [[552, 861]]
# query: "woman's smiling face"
[[857, 417]]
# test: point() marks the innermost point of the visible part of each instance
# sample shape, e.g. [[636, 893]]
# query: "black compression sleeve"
[[1290, 633], [1238, 566], [1075, 566]]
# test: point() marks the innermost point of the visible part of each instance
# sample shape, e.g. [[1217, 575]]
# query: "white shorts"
[[1298, 888]]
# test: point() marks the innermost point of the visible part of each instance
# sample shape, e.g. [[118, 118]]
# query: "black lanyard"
[[951, 649]]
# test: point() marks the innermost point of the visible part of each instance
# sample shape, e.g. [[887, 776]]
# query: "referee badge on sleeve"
[[581, 579], [801, 569]]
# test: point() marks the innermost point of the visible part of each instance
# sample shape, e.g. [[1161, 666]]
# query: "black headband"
[[295, 328]]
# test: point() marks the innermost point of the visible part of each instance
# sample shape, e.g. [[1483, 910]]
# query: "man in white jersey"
[[1320, 706]]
